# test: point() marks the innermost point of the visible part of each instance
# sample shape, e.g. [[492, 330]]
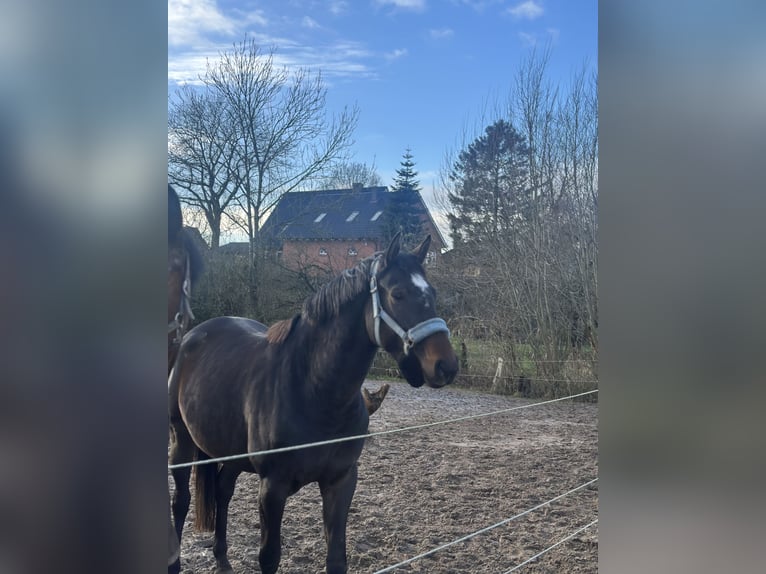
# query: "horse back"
[[212, 379]]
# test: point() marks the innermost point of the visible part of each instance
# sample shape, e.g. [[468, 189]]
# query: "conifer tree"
[[491, 192], [404, 209]]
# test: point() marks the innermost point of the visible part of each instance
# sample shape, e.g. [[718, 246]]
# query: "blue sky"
[[420, 71]]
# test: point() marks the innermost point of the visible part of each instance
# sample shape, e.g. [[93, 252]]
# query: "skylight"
[[352, 216], [377, 214], [320, 217]]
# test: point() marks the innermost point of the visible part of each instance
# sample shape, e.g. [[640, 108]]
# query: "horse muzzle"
[[432, 362]]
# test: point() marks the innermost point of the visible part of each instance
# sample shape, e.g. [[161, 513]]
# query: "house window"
[[352, 216], [375, 217], [430, 256], [352, 251], [320, 217], [322, 251]]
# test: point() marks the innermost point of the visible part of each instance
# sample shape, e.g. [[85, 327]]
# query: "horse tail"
[[204, 494]]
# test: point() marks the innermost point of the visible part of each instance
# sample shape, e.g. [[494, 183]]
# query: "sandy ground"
[[420, 489]]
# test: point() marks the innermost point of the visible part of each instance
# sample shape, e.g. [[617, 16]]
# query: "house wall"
[[302, 255], [436, 244]]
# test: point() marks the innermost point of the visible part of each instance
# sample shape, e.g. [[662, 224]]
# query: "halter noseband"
[[413, 335], [178, 324]]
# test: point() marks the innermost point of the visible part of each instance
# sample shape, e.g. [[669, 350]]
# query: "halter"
[[178, 324], [413, 335]]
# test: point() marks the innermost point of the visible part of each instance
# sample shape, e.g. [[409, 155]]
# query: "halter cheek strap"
[[184, 311], [413, 335]]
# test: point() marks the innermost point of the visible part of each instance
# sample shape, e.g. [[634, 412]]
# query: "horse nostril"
[[446, 369]]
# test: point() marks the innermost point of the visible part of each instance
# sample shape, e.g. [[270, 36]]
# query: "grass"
[[524, 372]]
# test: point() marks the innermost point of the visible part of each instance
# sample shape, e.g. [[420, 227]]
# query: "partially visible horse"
[[184, 266], [238, 387], [373, 400]]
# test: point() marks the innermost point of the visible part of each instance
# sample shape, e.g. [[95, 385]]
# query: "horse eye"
[[398, 295]]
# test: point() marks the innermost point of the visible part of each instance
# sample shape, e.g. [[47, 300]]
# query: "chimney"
[[356, 186]]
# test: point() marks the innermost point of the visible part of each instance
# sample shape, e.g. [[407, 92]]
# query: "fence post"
[[498, 376]]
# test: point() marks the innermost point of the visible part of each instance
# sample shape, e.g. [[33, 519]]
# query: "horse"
[[184, 267], [238, 387], [373, 400]]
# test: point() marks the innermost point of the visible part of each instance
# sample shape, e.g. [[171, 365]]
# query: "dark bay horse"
[[184, 266], [238, 387]]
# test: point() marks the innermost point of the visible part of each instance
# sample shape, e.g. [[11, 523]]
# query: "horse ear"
[[393, 248], [422, 250]]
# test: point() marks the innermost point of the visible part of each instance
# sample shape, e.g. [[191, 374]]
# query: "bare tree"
[[534, 281], [345, 175], [283, 138], [532, 106], [201, 155], [273, 134]]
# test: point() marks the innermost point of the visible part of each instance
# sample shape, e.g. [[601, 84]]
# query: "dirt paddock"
[[420, 489]]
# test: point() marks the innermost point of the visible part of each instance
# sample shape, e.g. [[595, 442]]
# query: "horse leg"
[[336, 501], [174, 548], [181, 450], [224, 489], [273, 497]]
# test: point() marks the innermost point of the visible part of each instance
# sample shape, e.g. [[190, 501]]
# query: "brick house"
[[333, 229]]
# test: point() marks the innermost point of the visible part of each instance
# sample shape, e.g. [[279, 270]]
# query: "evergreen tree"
[[491, 191], [404, 211]]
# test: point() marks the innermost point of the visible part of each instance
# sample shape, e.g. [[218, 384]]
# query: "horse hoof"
[[207, 542]]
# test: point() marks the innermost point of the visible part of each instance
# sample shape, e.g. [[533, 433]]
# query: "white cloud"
[[480, 5], [396, 54], [187, 68], [527, 39], [199, 30], [339, 60], [190, 20], [417, 5], [532, 39], [254, 17], [440, 33], [529, 10], [338, 7]]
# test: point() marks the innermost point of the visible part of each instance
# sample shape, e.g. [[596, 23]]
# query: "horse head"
[[402, 316]]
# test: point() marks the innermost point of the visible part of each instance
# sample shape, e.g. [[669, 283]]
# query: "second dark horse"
[[238, 388]]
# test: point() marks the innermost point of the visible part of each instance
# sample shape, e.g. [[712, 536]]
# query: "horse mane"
[[196, 262], [280, 330], [328, 300], [179, 237], [175, 222]]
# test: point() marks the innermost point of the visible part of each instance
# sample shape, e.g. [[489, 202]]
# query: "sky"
[[421, 72]]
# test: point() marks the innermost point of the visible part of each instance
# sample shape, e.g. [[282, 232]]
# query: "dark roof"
[[196, 237], [295, 215], [235, 248]]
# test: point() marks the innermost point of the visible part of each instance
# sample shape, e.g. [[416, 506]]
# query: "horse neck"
[[342, 353]]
